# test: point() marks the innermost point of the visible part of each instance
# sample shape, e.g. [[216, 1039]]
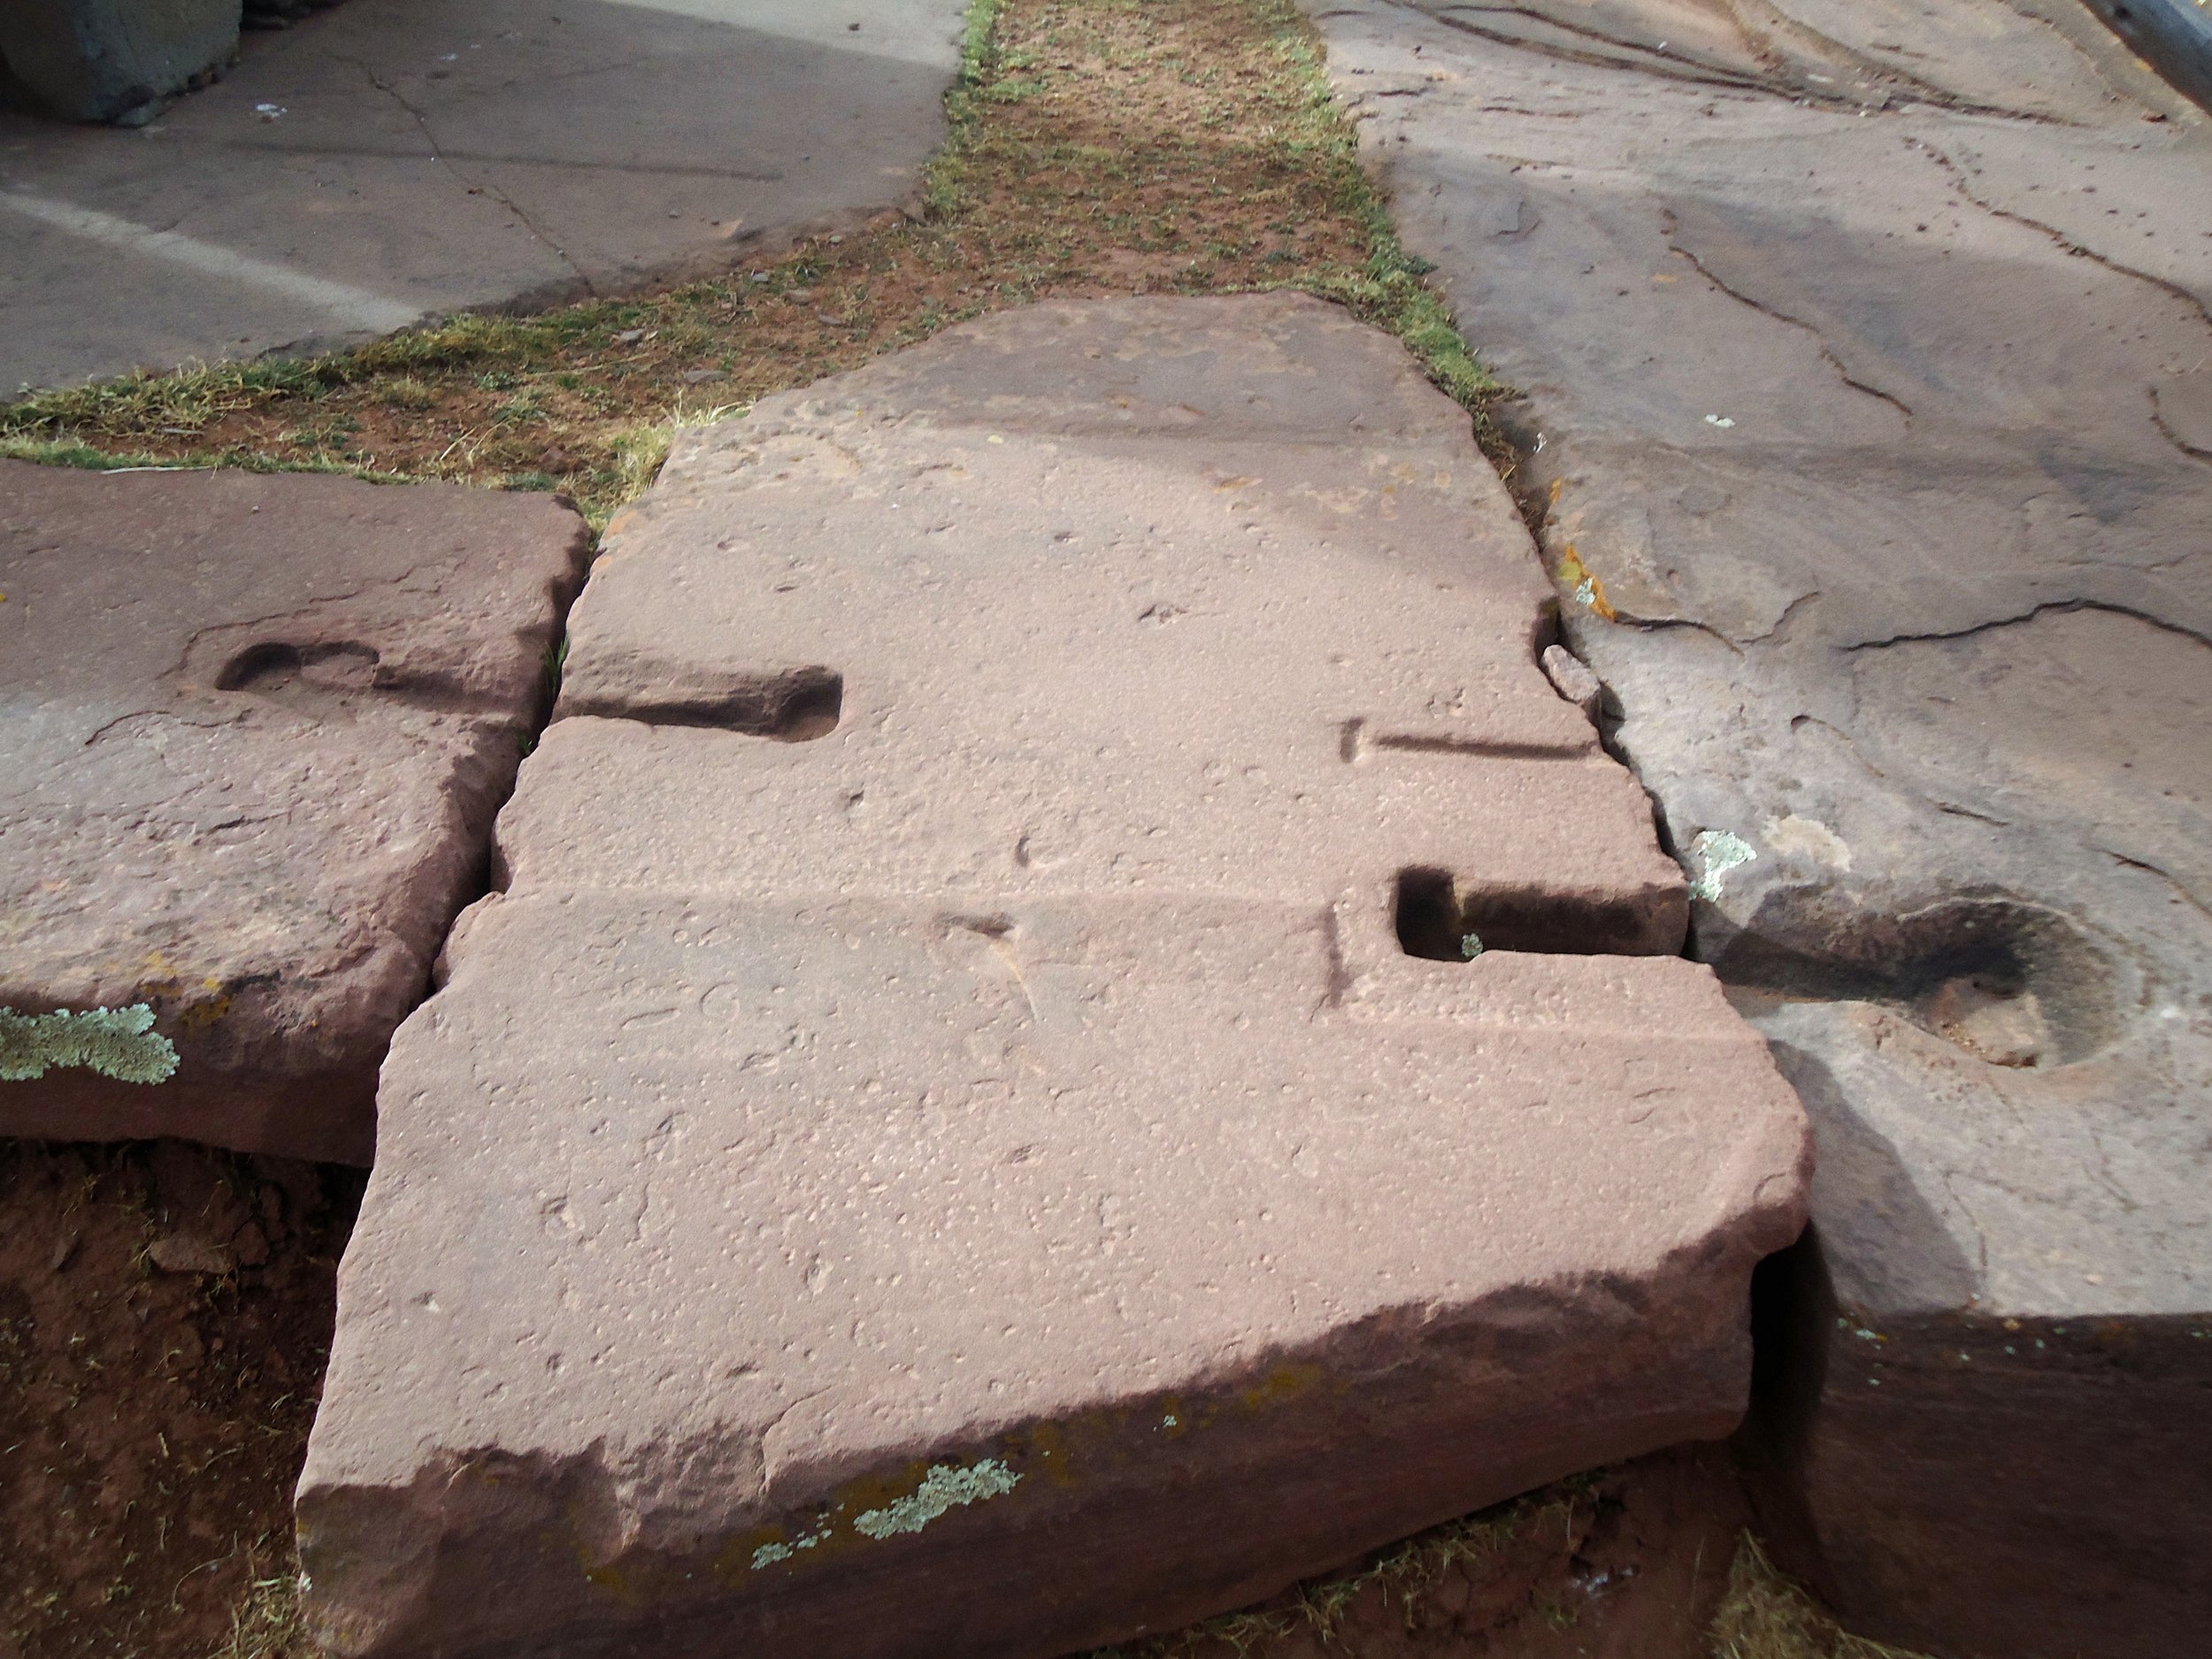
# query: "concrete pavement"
[[395, 159]]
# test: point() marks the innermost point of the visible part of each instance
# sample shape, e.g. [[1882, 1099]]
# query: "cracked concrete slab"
[[1864, 353], [971, 1125], [256, 730], [390, 160]]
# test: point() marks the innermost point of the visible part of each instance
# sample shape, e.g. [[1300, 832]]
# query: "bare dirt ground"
[[165, 1311], [165, 1317]]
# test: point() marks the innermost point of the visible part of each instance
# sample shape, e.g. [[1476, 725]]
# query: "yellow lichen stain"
[[1280, 1385], [1044, 1447], [611, 1579], [203, 1014], [603, 1575], [1584, 583], [872, 1492], [1558, 488]]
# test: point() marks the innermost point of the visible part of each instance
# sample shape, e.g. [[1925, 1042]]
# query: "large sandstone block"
[[944, 1144], [1869, 362], [256, 729]]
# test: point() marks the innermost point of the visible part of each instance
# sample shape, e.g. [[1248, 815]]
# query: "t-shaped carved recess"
[[950, 1140]]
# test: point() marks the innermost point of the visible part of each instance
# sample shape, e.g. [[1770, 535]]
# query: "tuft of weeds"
[[268, 1623], [1094, 147], [1767, 1615]]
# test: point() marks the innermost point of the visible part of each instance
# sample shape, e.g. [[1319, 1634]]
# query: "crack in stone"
[[1873, 70], [1671, 226], [1669, 66], [1655, 624], [1705, 75], [1953, 809], [2158, 419], [1782, 622], [1958, 173], [2030, 614], [2167, 876], [650, 169], [438, 155], [1849, 744]]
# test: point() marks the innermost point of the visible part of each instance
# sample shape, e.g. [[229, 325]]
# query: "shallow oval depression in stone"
[[989, 1179], [256, 729]]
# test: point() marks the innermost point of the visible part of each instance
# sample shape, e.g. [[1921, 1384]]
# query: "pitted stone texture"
[[1071, 702], [982, 1176], [257, 730], [1870, 409]]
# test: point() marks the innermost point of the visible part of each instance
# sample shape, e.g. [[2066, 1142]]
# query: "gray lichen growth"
[[944, 1487], [117, 1042], [769, 1554]]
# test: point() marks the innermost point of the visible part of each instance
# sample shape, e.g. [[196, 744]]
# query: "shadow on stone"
[[2012, 983]]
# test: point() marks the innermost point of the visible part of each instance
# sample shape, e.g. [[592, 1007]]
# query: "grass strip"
[[1093, 148]]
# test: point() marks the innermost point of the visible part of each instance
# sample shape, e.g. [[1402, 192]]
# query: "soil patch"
[[1630, 1563], [164, 1317]]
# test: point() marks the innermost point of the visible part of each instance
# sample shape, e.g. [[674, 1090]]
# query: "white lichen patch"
[[1809, 838], [1713, 855], [945, 1487], [117, 1042]]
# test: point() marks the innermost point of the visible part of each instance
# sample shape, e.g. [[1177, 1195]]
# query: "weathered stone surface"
[[1571, 678], [384, 163], [983, 1175], [1867, 352], [255, 731], [93, 60]]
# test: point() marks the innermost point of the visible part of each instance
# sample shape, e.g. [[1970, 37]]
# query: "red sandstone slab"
[[256, 729], [941, 1145]]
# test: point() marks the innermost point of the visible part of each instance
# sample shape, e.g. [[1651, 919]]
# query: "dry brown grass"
[[1769, 1616]]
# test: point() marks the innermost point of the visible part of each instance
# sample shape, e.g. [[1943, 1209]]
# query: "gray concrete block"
[[95, 60]]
